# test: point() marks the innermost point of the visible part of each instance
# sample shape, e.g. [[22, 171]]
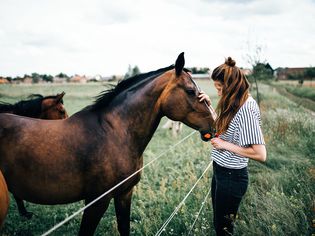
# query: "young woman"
[[239, 139]]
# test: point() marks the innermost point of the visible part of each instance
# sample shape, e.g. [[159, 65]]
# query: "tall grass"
[[303, 96], [279, 200], [301, 91]]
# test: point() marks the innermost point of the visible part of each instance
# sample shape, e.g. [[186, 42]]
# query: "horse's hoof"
[[27, 215]]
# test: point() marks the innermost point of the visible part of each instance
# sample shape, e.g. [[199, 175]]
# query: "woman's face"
[[218, 85]]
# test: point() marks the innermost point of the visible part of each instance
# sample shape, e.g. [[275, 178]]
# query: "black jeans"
[[227, 189]]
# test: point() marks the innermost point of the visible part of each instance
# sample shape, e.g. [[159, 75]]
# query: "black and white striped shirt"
[[244, 130]]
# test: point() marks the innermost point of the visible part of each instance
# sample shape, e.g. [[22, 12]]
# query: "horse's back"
[[4, 199], [11, 125], [44, 152], [10, 121]]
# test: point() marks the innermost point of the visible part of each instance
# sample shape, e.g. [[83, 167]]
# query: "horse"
[[79, 158], [36, 106], [4, 199]]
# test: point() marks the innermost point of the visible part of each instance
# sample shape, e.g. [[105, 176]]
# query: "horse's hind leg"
[[22, 210], [92, 216], [122, 207]]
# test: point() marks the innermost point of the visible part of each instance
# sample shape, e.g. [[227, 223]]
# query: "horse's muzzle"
[[206, 135]]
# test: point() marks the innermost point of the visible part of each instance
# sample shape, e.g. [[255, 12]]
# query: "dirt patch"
[[312, 172]]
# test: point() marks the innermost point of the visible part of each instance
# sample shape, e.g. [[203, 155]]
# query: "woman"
[[239, 138]]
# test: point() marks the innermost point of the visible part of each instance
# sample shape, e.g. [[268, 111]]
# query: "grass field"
[[279, 201]]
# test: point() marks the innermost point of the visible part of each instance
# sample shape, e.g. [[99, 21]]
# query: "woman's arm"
[[256, 152]]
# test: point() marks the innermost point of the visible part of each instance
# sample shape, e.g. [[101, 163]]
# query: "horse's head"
[[180, 102], [53, 108]]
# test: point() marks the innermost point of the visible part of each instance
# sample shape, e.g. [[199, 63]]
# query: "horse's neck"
[[7, 108], [22, 110], [138, 114]]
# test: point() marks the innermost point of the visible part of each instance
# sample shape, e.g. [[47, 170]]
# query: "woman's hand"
[[204, 97], [256, 152], [218, 143]]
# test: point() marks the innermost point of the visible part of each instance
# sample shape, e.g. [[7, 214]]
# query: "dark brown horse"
[[37, 106], [64, 161]]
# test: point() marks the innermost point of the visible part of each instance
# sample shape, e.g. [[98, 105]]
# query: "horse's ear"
[[59, 97], [179, 64]]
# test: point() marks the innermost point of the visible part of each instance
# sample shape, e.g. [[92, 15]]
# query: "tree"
[[47, 78], [199, 70], [35, 78], [132, 71], [309, 73], [253, 57], [62, 75], [262, 71], [135, 71], [9, 78]]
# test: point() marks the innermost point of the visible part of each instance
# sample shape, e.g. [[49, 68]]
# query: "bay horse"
[[36, 106], [79, 158]]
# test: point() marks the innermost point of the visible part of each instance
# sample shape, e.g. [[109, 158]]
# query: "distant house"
[[285, 73], [3, 80], [95, 78], [78, 79], [246, 71], [268, 67], [27, 80], [99, 78], [263, 68]]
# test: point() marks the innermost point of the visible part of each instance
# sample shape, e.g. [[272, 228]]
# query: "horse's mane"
[[105, 97], [31, 107]]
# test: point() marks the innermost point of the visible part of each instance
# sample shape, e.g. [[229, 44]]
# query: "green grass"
[[279, 200], [303, 92], [303, 95]]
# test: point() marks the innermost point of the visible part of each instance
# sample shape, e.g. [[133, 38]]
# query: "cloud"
[[104, 37]]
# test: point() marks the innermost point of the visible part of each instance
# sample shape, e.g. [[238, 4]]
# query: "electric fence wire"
[[113, 188], [160, 231]]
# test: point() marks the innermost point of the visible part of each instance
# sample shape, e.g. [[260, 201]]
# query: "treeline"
[[132, 71], [37, 77]]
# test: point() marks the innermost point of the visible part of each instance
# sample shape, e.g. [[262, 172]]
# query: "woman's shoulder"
[[249, 107], [250, 104]]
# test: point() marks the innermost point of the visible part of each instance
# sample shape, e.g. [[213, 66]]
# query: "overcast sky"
[[103, 37]]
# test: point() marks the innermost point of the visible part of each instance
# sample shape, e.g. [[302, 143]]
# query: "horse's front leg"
[[22, 210], [122, 207], [92, 216]]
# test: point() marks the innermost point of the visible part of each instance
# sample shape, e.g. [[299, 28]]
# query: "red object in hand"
[[207, 136]]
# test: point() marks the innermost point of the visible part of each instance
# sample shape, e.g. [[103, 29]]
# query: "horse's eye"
[[190, 92]]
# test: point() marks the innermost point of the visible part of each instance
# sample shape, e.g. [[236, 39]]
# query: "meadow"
[[280, 199]]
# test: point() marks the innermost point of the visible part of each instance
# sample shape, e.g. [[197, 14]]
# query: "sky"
[[106, 36]]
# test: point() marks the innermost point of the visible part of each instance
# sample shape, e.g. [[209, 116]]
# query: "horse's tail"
[[6, 107]]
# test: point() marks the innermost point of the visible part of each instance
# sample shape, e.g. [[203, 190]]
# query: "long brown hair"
[[234, 92]]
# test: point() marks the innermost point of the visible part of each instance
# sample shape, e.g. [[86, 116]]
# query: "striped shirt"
[[244, 130]]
